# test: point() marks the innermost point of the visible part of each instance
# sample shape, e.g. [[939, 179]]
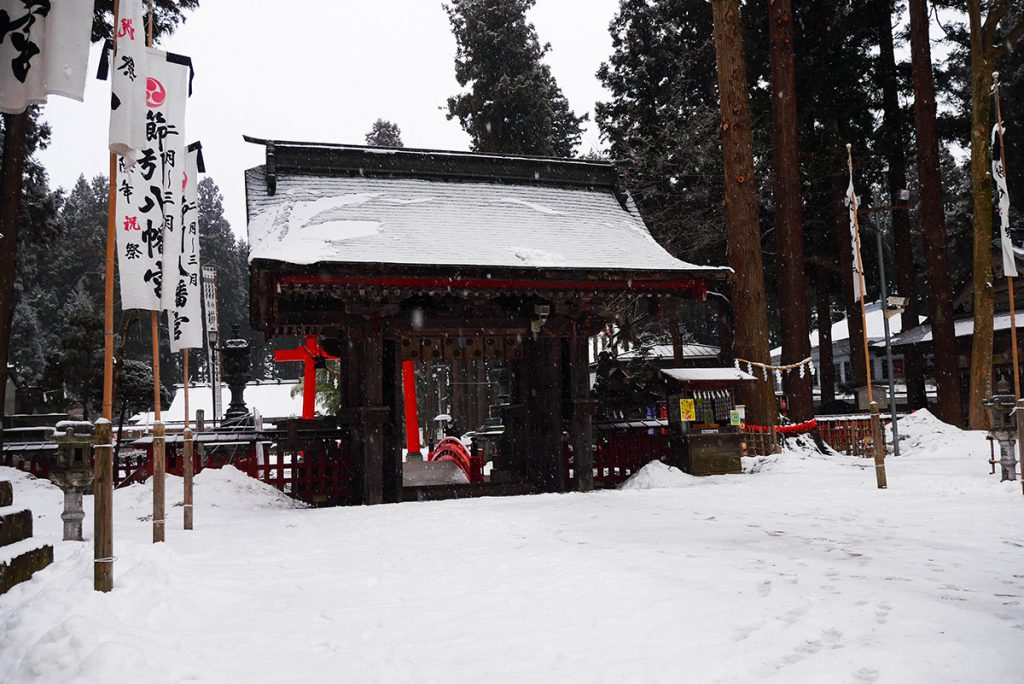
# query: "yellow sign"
[[687, 412]]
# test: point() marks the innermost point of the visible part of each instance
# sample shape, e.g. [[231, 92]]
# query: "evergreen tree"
[[513, 105], [384, 133]]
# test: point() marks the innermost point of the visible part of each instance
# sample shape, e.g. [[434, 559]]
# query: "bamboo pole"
[[159, 441], [1009, 283], [878, 443], [854, 206], [186, 466], [103, 457]]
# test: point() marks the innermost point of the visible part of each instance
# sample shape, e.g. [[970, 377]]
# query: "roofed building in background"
[[875, 326], [274, 400], [919, 339], [430, 256]]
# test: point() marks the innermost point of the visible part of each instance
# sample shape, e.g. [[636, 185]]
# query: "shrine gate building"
[[397, 254]]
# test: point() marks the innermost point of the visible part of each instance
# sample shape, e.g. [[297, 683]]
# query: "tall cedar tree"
[[892, 138], [933, 218], [990, 41], [384, 133], [789, 230], [741, 208], [514, 105]]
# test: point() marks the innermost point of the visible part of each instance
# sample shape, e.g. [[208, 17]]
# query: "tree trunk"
[[789, 237], [826, 363], [743, 234], [11, 168], [893, 140], [933, 223]]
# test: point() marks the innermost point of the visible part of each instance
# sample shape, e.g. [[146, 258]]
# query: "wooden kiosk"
[[707, 437]]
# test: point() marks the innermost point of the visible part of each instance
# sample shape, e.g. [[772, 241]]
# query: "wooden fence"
[[848, 434]]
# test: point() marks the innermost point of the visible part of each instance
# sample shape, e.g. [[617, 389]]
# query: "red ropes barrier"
[[797, 429]]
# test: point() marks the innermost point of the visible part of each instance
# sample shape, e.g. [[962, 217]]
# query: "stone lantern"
[[1001, 407], [73, 472], [235, 356]]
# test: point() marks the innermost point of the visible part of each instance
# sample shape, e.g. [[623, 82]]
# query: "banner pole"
[[1009, 283], [187, 465], [159, 440], [103, 458], [876, 431]]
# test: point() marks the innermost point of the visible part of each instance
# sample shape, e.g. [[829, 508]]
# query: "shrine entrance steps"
[[464, 491], [20, 557]]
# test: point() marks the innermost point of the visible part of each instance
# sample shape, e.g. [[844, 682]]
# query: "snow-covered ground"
[[800, 572]]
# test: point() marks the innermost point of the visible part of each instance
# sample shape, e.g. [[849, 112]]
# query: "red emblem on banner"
[[155, 92], [184, 180]]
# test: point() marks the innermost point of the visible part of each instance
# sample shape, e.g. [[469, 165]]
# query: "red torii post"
[[308, 354]]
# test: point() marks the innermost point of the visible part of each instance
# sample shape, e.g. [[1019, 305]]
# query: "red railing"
[[620, 452]]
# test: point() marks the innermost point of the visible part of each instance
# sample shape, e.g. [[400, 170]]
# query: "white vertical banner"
[[185, 316], [853, 203], [128, 83], [1002, 199], [44, 50], [149, 193]]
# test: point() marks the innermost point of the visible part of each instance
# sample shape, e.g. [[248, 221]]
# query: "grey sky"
[[324, 74]]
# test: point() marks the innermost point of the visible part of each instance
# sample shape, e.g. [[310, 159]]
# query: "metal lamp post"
[[891, 306]]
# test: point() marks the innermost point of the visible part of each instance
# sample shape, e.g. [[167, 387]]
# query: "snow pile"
[[657, 475], [229, 486], [922, 431]]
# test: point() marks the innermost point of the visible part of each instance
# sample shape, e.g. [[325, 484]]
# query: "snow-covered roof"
[[664, 351], [963, 327], [435, 214], [708, 375], [874, 321], [273, 400]]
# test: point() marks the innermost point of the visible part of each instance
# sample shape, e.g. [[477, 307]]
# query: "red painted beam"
[[307, 355], [697, 287]]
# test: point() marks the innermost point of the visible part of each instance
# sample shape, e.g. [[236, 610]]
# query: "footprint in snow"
[[764, 588], [866, 674]]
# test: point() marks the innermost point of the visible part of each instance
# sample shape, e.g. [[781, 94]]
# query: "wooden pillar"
[[392, 434], [350, 383], [483, 393], [543, 362], [372, 413], [510, 463], [582, 436]]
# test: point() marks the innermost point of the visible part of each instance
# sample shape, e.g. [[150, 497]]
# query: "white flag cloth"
[[128, 83], [44, 50], [185, 316], [858, 275], [149, 194], [1003, 205]]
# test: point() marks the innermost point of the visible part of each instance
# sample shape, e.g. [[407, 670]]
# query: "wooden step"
[[15, 527], [22, 566], [6, 494]]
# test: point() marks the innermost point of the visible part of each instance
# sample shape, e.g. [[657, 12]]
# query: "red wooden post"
[[412, 421], [308, 354]]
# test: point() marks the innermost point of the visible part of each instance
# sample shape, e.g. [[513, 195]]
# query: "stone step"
[[14, 527], [28, 560], [6, 494]]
